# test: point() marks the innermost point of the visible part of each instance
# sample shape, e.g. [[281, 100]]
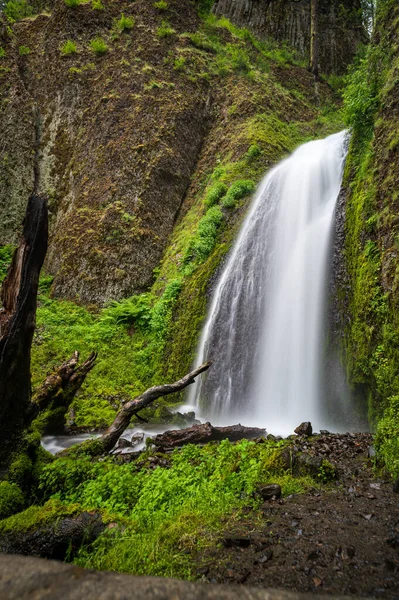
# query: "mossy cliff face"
[[340, 23], [149, 154], [370, 296], [119, 134], [117, 128]]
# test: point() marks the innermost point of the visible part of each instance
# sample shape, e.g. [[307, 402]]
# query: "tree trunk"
[[17, 324], [314, 37]]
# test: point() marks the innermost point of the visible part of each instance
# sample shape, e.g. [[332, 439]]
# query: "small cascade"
[[265, 328]]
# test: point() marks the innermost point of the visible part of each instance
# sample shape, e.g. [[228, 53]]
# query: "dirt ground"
[[341, 538]]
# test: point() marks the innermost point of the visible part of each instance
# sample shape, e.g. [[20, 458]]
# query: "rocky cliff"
[[114, 131], [340, 23]]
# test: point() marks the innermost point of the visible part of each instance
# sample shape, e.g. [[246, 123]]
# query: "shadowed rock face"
[[23, 578], [341, 28]]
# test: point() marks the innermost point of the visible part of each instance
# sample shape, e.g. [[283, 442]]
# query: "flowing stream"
[[265, 328]]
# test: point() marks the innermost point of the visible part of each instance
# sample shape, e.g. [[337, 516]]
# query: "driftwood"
[[110, 437], [17, 324], [202, 434]]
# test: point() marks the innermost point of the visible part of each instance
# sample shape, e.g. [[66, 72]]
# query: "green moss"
[[38, 516], [237, 191], [11, 499]]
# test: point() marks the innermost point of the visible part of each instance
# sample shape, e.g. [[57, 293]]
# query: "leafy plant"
[[72, 3], [18, 9], [161, 5], [24, 50], [69, 48], [238, 190], [124, 23], [97, 5], [215, 193], [165, 30], [203, 243], [98, 46]]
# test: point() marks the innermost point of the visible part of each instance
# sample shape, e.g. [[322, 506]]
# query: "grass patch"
[[69, 48], [98, 46], [124, 23], [165, 30]]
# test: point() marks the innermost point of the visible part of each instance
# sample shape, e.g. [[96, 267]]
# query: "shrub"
[[203, 243], [73, 3], [98, 46], [215, 193], [161, 5], [24, 50], [124, 23], [69, 48], [238, 190], [179, 63], [165, 30], [18, 9], [11, 499]]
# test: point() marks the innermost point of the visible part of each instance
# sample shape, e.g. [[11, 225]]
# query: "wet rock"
[[371, 453], [265, 557], [287, 458], [55, 539], [393, 540], [308, 465], [272, 490], [137, 438], [124, 443], [304, 428]]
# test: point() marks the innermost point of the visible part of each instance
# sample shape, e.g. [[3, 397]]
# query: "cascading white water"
[[264, 332]]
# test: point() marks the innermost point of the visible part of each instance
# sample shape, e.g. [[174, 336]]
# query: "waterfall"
[[265, 328]]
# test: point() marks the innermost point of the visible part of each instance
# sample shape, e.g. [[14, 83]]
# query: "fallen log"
[[204, 433], [17, 324], [110, 437]]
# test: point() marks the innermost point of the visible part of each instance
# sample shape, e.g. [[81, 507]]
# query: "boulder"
[[272, 490], [304, 428]]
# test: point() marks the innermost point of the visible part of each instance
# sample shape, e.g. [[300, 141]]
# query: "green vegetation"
[[165, 30], [69, 48], [124, 23], [24, 50], [11, 499], [98, 46], [237, 191], [97, 5], [215, 193], [2, 52], [371, 338], [161, 5], [169, 512], [18, 9], [6, 253], [73, 3]]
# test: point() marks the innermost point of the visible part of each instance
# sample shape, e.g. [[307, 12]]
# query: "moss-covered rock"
[[11, 499]]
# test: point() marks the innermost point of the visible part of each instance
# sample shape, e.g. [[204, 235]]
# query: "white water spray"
[[264, 332]]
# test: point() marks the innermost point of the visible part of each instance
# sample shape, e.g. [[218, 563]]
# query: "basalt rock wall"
[[340, 23]]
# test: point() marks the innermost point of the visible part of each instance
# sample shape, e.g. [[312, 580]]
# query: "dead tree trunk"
[[108, 440], [59, 389], [205, 433], [17, 324]]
